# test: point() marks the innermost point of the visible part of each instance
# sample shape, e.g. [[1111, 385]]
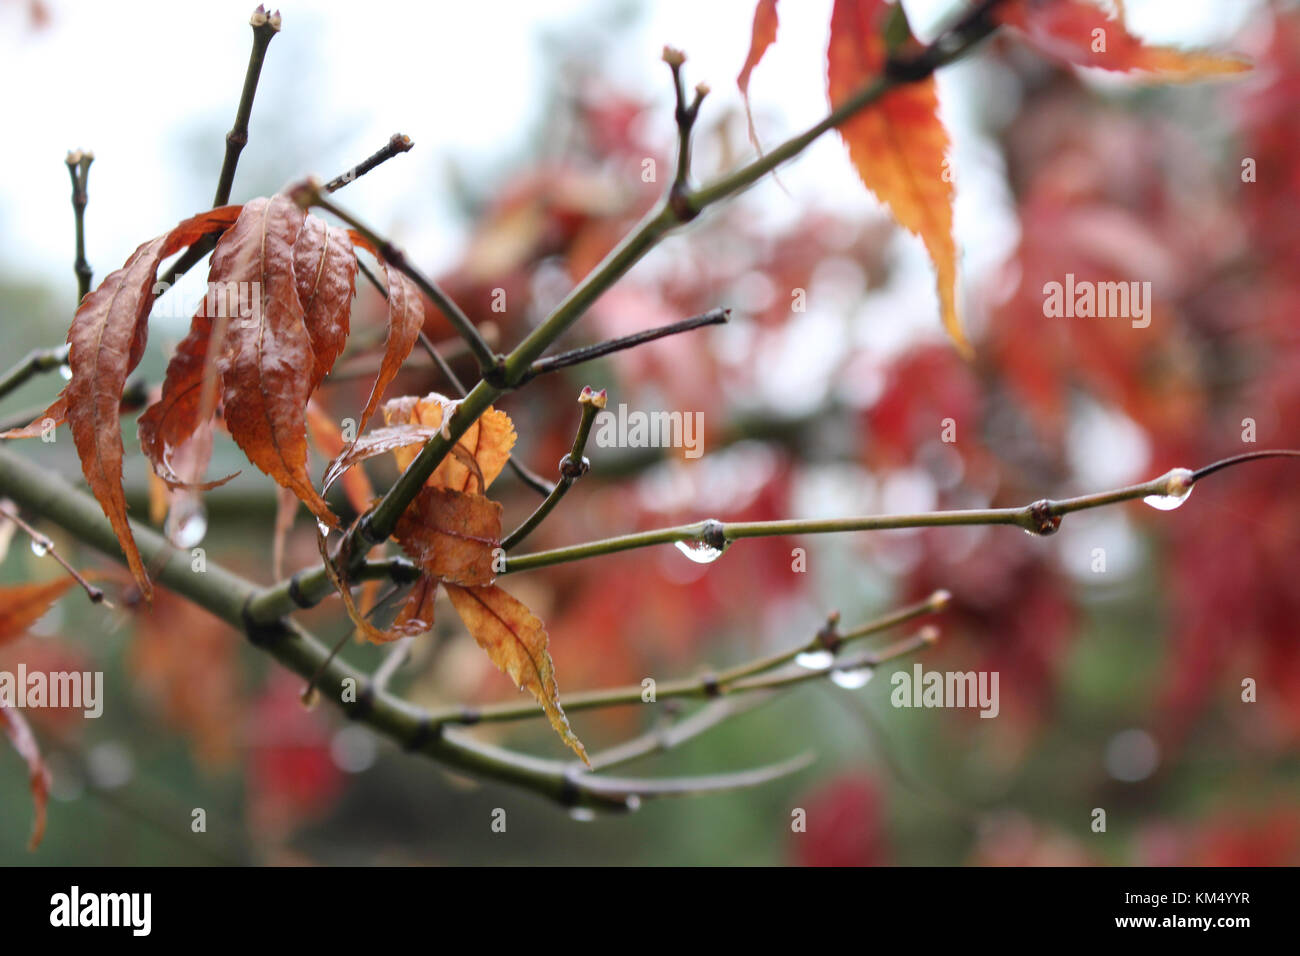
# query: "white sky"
[[137, 81]]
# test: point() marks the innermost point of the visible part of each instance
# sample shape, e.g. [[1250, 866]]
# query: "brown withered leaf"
[[516, 641], [22, 605], [266, 360], [405, 321], [106, 342], [20, 735], [452, 535], [488, 441], [326, 272]]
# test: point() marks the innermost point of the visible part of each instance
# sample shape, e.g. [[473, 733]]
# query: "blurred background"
[[1120, 680]]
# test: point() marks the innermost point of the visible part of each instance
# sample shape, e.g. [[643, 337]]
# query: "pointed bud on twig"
[[939, 600], [591, 397], [673, 56]]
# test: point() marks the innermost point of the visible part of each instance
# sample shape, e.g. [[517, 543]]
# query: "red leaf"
[[763, 36], [326, 271], [897, 144], [1081, 33]]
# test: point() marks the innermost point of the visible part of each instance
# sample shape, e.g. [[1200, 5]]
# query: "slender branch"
[[37, 361], [705, 687], [309, 193], [78, 162], [1041, 517], [265, 26], [572, 467], [685, 114], [47, 546], [397, 143], [590, 352]]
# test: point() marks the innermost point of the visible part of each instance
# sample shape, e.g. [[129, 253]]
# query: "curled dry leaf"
[[405, 321], [452, 535], [516, 641], [763, 36], [106, 342], [20, 735], [1081, 33], [416, 616], [898, 145], [377, 442], [22, 605], [488, 441]]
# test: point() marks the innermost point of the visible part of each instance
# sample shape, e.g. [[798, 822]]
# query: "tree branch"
[[397, 143]]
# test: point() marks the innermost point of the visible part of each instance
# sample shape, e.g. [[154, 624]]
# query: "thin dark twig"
[[95, 594], [588, 353], [1248, 456], [78, 163], [397, 143]]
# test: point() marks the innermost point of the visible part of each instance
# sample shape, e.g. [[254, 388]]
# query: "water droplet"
[[323, 528], [1044, 521], [582, 814], [65, 372], [1167, 502], [187, 523], [39, 549], [698, 552], [854, 679], [708, 547], [815, 660], [1178, 487], [633, 803]]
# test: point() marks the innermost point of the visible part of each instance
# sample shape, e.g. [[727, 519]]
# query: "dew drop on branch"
[[814, 660], [708, 546], [1167, 502], [853, 679], [187, 524], [39, 549]]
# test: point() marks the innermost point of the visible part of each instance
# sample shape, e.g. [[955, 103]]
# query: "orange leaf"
[[897, 144], [20, 735], [762, 37], [106, 342], [22, 605], [266, 361], [405, 321], [452, 535], [1083, 34], [488, 441], [516, 641]]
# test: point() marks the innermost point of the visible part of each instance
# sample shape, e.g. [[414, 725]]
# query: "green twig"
[[78, 162]]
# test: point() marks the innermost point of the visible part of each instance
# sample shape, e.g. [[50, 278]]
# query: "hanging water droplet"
[[1179, 485], [854, 679], [39, 548], [582, 814], [323, 528], [815, 660], [65, 372], [698, 552], [187, 524], [708, 546], [633, 803]]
